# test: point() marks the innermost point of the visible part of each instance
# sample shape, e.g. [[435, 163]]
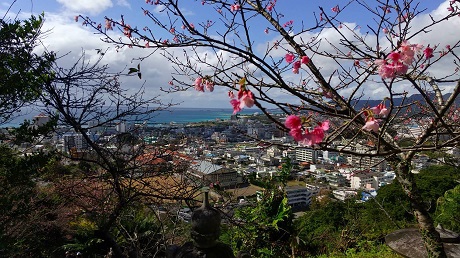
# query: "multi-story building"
[[342, 194], [74, 141], [363, 180], [306, 154], [301, 195], [336, 179], [371, 180]]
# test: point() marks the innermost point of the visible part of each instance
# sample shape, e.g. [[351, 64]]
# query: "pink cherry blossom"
[[327, 94], [296, 133], [384, 112], [288, 23], [428, 52], [235, 7], [108, 25], [296, 65], [385, 70], [266, 30], [395, 56], [76, 18], [236, 105], [314, 137], [127, 31], [385, 30], [305, 60], [324, 125], [231, 94], [247, 99], [199, 84], [289, 57], [335, 9], [293, 121], [209, 85], [371, 125], [400, 68], [295, 71]]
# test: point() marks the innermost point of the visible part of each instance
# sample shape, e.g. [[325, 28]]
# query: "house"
[[205, 172]]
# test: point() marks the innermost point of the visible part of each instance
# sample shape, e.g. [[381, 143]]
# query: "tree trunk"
[[430, 236]]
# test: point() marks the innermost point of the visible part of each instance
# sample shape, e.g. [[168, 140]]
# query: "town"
[[233, 154]]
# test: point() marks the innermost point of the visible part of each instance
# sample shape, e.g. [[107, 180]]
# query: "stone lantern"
[[205, 234]]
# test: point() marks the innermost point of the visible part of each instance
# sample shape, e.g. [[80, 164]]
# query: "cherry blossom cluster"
[[452, 7], [202, 82], [305, 136], [244, 98], [271, 5], [371, 115], [235, 7], [397, 62], [289, 57], [156, 2]]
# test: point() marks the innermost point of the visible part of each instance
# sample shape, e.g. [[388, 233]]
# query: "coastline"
[[174, 115]]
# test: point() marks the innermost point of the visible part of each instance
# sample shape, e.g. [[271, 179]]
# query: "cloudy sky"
[[67, 36]]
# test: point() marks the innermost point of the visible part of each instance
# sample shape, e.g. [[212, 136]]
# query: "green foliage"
[[448, 209], [22, 72], [366, 249], [31, 216], [138, 233], [265, 229], [28, 132], [434, 181]]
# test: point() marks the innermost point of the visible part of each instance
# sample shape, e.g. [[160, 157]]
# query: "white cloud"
[[67, 36], [92, 7], [123, 3]]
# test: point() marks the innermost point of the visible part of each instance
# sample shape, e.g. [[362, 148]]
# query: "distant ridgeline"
[[361, 104]]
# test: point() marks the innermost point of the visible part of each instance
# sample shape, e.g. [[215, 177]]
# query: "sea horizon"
[[172, 115]]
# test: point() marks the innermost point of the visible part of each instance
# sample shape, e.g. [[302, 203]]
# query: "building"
[[41, 120], [371, 180], [344, 194], [306, 155], [205, 172], [336, 179], [289, 153], [363, 180], [74, 141], [301, 195]]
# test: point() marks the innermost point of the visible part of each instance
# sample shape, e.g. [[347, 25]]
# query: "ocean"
[[176, 115]]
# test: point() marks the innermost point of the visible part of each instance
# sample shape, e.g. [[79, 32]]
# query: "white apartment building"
[[306, 155], [301, 195], [344, 194], [371, 180]]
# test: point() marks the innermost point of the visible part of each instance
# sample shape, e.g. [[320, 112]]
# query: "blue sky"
[[67, 36]]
